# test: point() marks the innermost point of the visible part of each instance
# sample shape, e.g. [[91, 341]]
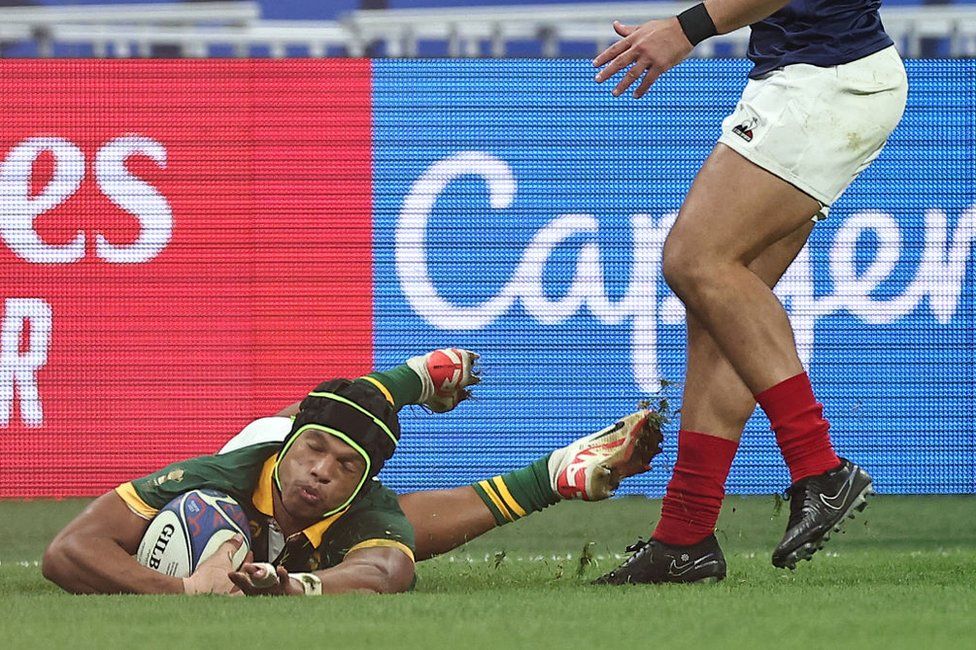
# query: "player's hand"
[[446, 375], [211, 576], [264, 580], [649, 50]]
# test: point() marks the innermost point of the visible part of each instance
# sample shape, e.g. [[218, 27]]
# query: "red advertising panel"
[[184, 246]]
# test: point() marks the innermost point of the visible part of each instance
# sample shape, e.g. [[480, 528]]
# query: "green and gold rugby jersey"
[[243, 470]]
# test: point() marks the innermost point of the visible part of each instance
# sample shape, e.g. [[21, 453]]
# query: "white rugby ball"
[[189, 529]]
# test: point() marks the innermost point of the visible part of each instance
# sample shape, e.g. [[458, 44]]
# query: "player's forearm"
[[730, 15], [362, 577], [99, 565]]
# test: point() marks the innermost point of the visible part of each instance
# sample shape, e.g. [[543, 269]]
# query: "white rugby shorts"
[[818, 128]]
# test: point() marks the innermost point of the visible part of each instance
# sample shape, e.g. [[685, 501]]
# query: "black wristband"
[[697, 24]]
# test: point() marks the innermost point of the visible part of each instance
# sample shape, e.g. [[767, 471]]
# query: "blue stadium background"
[[895, 373]]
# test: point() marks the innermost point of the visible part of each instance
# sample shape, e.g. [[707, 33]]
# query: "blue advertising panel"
[[520, 210]]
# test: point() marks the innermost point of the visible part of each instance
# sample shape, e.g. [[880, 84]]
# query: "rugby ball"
[[190, 529]]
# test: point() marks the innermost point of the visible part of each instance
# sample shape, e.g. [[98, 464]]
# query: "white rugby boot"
[[592, 467]]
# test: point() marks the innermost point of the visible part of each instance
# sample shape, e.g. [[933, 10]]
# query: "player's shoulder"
[[236, 466], [259, 432], [235, 472]]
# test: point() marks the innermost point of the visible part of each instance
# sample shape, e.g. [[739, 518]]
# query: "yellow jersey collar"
[[263, 500]]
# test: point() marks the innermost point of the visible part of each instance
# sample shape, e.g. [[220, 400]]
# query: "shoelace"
[[801, 500], [638, 549], [637, 546]]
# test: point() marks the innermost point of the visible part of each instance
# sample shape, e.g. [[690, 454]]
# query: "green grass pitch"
[[903, 576]]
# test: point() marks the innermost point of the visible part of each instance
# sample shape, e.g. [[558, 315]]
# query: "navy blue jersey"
[[818, 32]]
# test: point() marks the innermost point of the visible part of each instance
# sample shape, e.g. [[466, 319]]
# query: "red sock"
[[801, 430], [697, 487]]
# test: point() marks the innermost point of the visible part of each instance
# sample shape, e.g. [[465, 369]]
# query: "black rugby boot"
[[655, 562], [818, 506]]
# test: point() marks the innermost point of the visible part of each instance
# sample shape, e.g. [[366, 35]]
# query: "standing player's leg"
[[589, 468], [715, 401], [796, 140], [705, 262], [715, 407]]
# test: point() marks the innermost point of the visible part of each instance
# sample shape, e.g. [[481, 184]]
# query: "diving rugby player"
[[320, 521], [826, 90]]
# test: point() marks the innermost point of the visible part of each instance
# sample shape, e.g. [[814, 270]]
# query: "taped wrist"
[[311, 583], [697, 24]]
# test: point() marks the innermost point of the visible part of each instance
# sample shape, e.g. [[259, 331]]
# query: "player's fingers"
[[475, 366], [241, 581], [468, 371], [225, 552], [644, 85], [618, 64], [652, 74], [630, 77], [232, 545], [623, 30], [262, 575], [610, 54], [283, 580]]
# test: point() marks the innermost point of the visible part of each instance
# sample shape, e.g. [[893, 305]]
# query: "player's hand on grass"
[[211, 576], [649, 50], [263, 579], [446, 375]]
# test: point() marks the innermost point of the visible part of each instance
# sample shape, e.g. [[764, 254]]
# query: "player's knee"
[[680, 266]]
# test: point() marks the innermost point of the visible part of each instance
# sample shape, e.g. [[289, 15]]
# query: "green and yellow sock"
[[516, 494], [400, 385]]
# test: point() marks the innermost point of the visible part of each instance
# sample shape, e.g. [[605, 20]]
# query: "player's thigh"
[[735, 210], [802, 134], [771, 264]]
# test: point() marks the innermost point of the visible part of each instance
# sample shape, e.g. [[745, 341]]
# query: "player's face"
[[318, 474]]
